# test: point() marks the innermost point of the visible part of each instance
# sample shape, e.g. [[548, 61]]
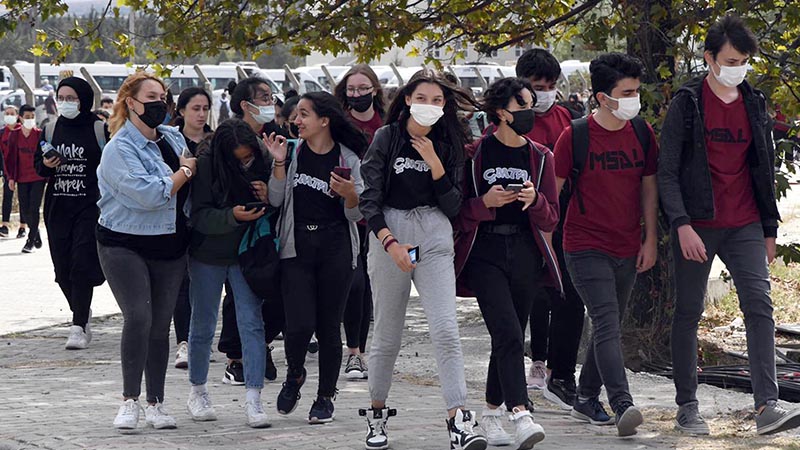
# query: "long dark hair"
[[340, 91], [183, 100], [230, 185], [449, 128], [342, 130]]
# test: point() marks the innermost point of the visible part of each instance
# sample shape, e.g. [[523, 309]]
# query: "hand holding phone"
[[413, 253], [343, 172], [255, 206], [515, 188]]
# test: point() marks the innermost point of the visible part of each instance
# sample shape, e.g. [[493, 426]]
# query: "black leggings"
[[30, 201], [315, 284], [183, 312], [145, 291], [358, 311], [8, 199]]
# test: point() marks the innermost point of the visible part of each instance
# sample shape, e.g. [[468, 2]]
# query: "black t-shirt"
[[162, 246], [503, 165], [314, 201], [410, 180]]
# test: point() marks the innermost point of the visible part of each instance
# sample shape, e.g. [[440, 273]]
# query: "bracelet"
[[383, 241], [279, 163], [184, 165], [389, 244]]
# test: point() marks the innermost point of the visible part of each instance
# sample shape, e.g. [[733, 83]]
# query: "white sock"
[[199, 389], [253, 395]]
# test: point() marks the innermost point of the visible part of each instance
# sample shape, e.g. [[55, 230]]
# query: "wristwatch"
[[187, 171]]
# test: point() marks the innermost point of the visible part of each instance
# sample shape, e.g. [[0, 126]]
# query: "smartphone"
[[54, 153], [413, 253], [255, 206], [186, 153], [515, 187], [343, 172], [291, 146]]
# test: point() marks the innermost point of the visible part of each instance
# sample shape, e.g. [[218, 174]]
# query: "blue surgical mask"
[[265, 113]]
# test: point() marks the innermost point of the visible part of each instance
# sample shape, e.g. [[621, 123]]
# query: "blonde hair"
[[129, 88]]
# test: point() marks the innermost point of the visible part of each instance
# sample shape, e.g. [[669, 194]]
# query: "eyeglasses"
[[68, 98], [268, 99], [361, 90]]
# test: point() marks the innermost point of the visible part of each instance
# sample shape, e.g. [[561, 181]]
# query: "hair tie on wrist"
[[389, 244], [383, 241]]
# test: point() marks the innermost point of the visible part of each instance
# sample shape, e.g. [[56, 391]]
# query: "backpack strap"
[[642, 134], [49, 130], [580, 153], [100, 133]]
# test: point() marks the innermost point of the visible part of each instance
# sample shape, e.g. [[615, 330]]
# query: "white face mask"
[[628, 107], [426, 115], [730, 76], [10, 120], [29, 123], [265, 113], [544, 100], [70, 110]]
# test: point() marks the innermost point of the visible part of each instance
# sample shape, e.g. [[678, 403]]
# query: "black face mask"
[[154, 113], [361, 103], [294, 129], [523, 121]]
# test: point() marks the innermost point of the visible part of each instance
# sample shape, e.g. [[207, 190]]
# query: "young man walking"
[[716, 177]]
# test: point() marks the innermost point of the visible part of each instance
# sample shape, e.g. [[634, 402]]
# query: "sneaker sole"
[[789, 422], [532, 440], [354, 375], [208, 418], [226, 380], [265, 424], [182, 365], [536, 387], [500, 442], [290, 411], [553, 397], [377, 447], [170, 426], [315, 421], [692, 431], [584, 418], [478, 443], [75, 347], [628, 422]]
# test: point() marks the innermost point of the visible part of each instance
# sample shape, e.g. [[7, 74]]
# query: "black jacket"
[[375, 170], [684, 177]]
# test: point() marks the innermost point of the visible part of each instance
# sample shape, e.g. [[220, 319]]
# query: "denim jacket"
[[135, 183]]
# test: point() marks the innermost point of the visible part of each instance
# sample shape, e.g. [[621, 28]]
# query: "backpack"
[[99, 132], [580, 153], [259, 259]]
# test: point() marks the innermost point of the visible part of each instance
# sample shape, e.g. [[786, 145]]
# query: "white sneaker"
[[528, 433], [493, 427], [157, 416], [256, 417], [200, 409], [537, 376], [128, 415], [182, 356], [77, 339]]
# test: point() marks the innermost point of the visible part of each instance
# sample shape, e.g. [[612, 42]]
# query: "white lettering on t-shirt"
[[70, 179], [402, 164], [313, 183], [505, 173]]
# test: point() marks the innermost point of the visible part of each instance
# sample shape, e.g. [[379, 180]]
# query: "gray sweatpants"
[[435, 280]]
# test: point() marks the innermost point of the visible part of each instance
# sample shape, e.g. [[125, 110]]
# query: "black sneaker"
[[561, 392], [462, 434], [313, 347], [21, 233], [290, 394], [4, 231], [234, 374], [591, 411], [270, 371], [321, 411], [37, 241], [377, 438], [628, 417], [28, 248]]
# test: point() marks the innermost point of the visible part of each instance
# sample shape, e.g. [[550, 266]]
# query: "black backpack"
[[580, 153]]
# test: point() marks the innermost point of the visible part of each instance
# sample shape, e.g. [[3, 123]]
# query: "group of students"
[[542, 216]]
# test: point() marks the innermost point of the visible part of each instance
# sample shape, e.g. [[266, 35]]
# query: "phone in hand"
[[186, 153], [515, 187], [413, 253], [53, 153], [255, 206], [343, 172]]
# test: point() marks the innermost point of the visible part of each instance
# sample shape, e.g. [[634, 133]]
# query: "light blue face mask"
[[69, 110], [265, 113]]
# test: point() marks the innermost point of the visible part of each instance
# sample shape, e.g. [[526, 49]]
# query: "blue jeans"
[[605, 284], [205, 292]]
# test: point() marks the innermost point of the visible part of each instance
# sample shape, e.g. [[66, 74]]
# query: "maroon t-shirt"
[[610, 185], [728, 138], [549, 126], [23, 149], [370, 126]]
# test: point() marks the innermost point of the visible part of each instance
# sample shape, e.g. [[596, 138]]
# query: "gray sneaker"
[[690, 421], [774, 419]]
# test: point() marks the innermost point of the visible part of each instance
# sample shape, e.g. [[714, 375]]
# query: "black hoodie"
[[72, 187]]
